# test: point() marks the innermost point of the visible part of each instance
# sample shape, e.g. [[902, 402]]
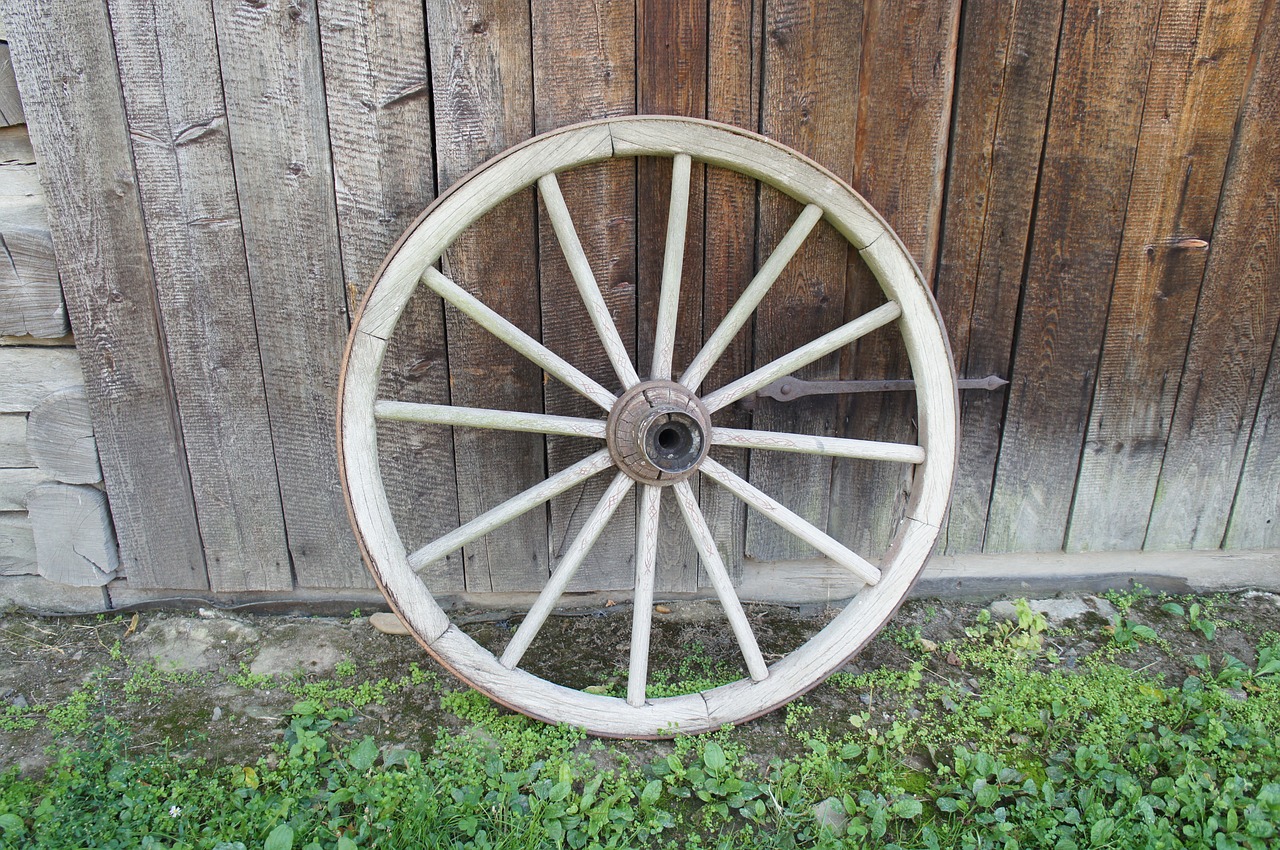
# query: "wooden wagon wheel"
[[656, 432]]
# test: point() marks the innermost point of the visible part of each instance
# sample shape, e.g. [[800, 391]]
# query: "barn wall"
[[1090, 188]]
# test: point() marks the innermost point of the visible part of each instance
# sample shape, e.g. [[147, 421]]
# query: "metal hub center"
[[658, 432]]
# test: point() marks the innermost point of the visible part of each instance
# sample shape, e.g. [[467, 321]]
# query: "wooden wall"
[[1091, 188]]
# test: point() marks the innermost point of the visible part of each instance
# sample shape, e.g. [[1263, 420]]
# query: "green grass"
[[1017, 752]]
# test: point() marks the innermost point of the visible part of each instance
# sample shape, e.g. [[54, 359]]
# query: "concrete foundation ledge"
[[976, 576]]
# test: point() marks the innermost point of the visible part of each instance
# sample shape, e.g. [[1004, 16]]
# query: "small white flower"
[[174, 811]]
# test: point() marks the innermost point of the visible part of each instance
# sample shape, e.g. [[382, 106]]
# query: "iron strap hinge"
[[791, 388]]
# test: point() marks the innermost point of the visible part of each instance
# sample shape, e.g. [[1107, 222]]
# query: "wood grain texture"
[[74, 541], [60, 438], [1092, 136], [15, 146], [904, 122], [173, 101], [729, 245], [31, 301], [378, 95], [1255, 516], [32, 372], [671, 79], [1188, 122], [67, 341], [17, 544], [16, 485], [483, 96], [10, 100], [812, 57], [584, 66], [271, 70], [20, 184], [1221, 401], [1004, 73], [66, 65], [13, 442]]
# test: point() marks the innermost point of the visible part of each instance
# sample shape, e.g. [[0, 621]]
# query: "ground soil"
[[219, 692]]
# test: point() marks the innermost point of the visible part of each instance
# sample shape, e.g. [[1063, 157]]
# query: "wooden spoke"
[[580, 268], [803, 356], [807, 444], [573, 558], [642, 611], [664, 342], [524, 344], [476, 417], [792, 522], [511, 508], [705, 543], [750, 298]]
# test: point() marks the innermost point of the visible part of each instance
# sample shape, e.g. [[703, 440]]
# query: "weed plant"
[[986, 741]]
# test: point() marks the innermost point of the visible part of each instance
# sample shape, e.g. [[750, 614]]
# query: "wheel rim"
[[909, 306]]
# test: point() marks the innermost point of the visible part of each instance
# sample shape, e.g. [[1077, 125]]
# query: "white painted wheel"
[[655, 431]]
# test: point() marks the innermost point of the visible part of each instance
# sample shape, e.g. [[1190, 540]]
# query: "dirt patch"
[[221, 686]]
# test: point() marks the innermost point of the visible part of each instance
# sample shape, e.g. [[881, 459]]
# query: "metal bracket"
[[791, 388]]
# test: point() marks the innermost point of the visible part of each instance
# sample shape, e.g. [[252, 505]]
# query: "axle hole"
[[669, 438]]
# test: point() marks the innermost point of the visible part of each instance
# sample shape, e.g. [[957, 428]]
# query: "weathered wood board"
[[72, 529], [1188, 123], [1103, 62], [17, 544], [10, 101], [483, 97], [733, 97], [378, 92], [15, 146], [16, 485], [1255, 516], [31, 373], [173, 101], [1221, 400], [67, 341], [584, 67], [809, 101], [31, 301], [904, 122], [1003, 79], [671, 69], [13, 441], [66, 67], [270, 60]]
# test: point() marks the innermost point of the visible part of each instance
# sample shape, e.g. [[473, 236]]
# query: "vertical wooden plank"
[[173, 100], [377, 92], [66, 66], [10, 101], [1099, 88], [812, 53], [1004, 74], [1255, 515], [1188, 121], [270, 59], [671, 80], [584, 67], [481, 60], [904, 121], [1214, 424], [733, 96]]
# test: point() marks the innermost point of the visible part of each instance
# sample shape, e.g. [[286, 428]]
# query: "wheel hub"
[[658, 432]]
